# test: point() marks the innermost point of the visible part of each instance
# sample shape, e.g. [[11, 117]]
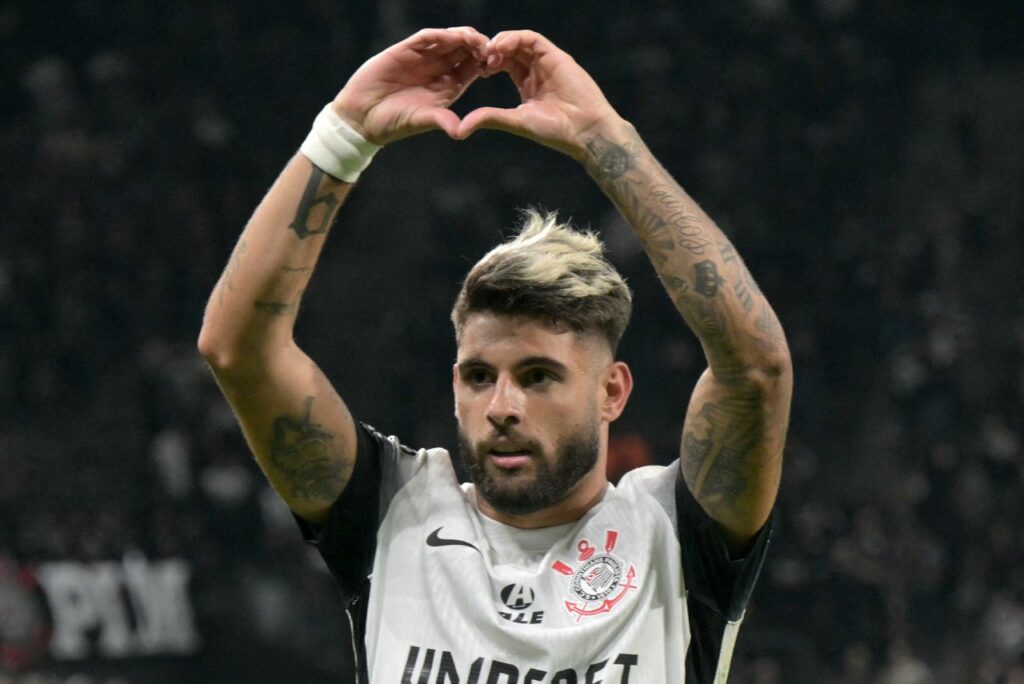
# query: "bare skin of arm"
[[735, 426], [296, 424]]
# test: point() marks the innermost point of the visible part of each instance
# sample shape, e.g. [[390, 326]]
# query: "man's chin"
[[509, 481]]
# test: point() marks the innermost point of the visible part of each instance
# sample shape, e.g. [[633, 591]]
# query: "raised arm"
[[296, 424], [736, 421]]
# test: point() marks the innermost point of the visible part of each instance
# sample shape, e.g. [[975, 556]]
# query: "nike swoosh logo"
[[435, 540]]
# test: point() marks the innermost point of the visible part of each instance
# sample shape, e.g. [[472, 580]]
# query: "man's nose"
[[506, 407]]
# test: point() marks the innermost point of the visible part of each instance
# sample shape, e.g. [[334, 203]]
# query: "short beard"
[[575, 456]]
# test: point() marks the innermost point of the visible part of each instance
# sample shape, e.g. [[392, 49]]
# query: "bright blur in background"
[[866, 157]]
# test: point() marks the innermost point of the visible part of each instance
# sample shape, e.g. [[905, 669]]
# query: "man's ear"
[[616, 386]]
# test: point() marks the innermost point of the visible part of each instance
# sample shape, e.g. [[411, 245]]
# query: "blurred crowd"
[[866, 157]]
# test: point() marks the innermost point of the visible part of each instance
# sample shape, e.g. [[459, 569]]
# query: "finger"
[[429, 63], [475, 41], [508, 43], [446, 39], [492, 118]]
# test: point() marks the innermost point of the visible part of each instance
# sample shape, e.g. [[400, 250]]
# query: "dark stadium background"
[[866, 156]]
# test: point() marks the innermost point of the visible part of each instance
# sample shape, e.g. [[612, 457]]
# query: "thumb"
[[495, 118]]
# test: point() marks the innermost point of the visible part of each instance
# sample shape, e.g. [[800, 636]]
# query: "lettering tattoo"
[[307, 455], [685, 226], [308, 221]]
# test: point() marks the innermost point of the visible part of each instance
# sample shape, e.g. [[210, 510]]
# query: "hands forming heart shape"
[[409, 88]]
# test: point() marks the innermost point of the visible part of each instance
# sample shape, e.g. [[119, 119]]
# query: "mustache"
[[508, 435]]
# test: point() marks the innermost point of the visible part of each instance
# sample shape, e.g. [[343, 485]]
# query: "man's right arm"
[[296, 424]]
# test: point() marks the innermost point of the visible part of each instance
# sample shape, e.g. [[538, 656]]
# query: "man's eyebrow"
[[472, 362], [545, 361]]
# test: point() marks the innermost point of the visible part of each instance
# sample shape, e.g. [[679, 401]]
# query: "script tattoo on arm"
[[307, 455], [315, 212]]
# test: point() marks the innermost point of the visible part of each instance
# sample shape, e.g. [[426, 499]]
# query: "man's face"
[[528, 400]]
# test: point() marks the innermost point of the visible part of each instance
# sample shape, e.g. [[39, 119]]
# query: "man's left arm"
[[735, 426]]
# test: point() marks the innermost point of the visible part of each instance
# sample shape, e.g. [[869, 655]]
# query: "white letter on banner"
[[71, 606], [163, 611], [105, 581]]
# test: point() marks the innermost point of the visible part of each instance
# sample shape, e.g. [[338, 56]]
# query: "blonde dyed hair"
[[551, 272]]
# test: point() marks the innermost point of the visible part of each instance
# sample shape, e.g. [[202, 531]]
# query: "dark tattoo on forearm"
[[674, 284], [706, 278], [279, 308], [307, 455], [304, 225], [610, 161]]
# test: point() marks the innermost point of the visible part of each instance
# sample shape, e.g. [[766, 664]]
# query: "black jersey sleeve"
[[347, 539], [718, 587]]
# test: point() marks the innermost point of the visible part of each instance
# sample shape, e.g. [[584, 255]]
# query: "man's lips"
[[509, 454], [510, 461]]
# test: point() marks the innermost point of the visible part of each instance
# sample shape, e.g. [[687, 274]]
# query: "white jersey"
[[439, 593]]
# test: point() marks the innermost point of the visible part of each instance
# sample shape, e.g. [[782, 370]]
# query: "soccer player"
[[538, 570]]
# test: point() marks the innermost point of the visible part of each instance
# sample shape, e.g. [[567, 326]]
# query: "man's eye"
[[538, 376], [478, 377]]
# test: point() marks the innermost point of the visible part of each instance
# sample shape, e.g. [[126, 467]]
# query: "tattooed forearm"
[[610, 160], [279, 308], [699, 267], [309, 456], [315, 212]]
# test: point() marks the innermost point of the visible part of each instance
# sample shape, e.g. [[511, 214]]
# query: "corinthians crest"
[[600, 580]]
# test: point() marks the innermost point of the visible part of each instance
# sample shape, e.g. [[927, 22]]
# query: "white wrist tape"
[[336, 148]]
